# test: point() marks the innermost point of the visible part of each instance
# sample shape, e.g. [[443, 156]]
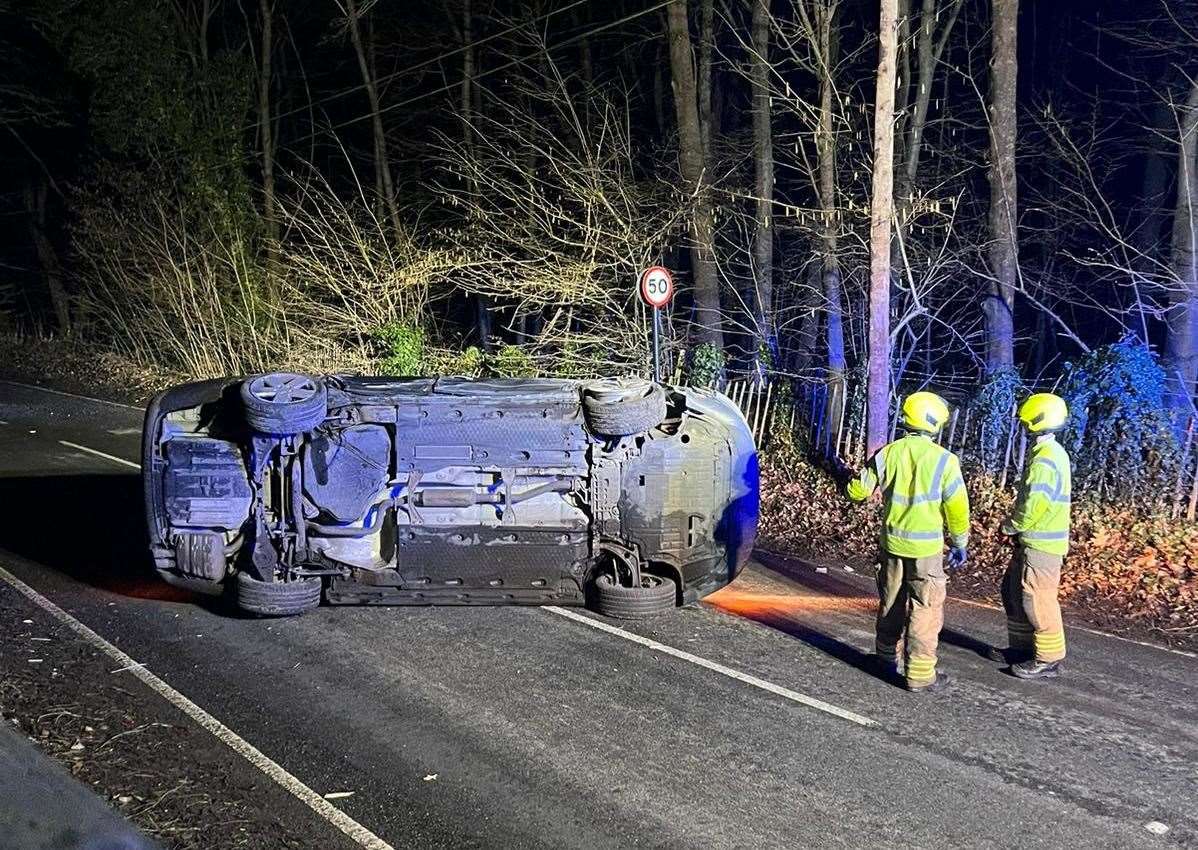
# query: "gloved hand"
[[957, 556]]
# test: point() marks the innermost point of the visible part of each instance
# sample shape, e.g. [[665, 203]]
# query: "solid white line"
[[252, 754], [74, 395], [99, 453], [715, 666]]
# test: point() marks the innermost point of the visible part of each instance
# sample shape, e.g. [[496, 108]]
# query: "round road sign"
[[657, 286]]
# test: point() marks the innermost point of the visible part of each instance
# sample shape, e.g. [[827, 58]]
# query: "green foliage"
[[511, 361], [992, 407], [468, 363], [1120, 433], [402, 348], [705, 365], [155, 107]]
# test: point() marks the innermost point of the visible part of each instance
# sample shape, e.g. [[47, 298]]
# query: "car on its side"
[[630, 496]]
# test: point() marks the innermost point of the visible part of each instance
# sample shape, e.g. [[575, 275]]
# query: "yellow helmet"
[[924, 411], [1043, 412]]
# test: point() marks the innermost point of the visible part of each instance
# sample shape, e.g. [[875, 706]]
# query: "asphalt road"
[[519, 727]]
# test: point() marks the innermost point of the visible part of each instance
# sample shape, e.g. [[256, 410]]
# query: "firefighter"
[[1039, 527], [921, 491]]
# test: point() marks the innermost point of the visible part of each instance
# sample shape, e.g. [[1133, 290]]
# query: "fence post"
[[1007, 454], [952, 428], [1175, 509]]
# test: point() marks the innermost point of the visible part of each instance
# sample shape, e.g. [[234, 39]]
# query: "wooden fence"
[[817, 414]]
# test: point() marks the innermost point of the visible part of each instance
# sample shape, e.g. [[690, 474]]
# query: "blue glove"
[[957, 556]]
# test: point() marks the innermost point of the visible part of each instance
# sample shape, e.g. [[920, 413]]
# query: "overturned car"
[[629, 496]]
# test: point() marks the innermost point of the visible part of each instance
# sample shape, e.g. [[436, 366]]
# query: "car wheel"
[[655, 596], [284, 403], [277, 598], [623, 407]]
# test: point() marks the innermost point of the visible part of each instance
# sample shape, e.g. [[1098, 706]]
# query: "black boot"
[[939, 684], [1033, 669], [1010, 655], [883, 667]]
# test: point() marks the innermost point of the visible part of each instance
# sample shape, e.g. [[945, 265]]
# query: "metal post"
[[656, 345]]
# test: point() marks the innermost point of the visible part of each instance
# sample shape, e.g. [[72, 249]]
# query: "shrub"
[[511, 361], [705, 365], [1120, 435], [402, 348], [992, 406]]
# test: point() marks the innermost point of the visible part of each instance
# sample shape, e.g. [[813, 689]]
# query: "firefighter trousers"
[[1029, 595], [911, 595]]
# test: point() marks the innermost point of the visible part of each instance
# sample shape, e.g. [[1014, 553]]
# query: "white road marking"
[[123, 432], [715, 666], [74, 395], [99, 453], [252, 754]]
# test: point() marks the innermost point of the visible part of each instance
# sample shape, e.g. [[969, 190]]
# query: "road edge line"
[[99, 453], [715, 666], [53, 391], [339, 819]]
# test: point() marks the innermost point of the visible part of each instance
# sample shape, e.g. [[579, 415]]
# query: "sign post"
[[657, 290]]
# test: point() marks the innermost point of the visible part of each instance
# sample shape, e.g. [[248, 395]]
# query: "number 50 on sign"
[[657, 286]]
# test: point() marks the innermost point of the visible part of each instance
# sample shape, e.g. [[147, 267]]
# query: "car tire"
[[655, 596], [623, 407], [284, 403], [277, 598]]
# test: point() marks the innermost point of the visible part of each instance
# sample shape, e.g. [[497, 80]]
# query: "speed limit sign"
[[657, 286]]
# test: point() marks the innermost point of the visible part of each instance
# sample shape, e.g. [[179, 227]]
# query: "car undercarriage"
[[630, 496]]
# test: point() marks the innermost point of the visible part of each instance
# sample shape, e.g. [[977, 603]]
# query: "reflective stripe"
[[880, 466], [913, 535], [1045, 535], [1047, 462], [1052, 493], [920, 669], [934, 494], [953, 488]]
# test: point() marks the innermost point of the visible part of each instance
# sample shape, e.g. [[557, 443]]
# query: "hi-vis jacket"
[[921, 491], [1041, 517]]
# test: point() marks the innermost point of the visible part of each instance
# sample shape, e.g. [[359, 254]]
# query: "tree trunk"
[[763, 155], [1181, 346], [999, 304], [881, 211], [694, 174], [706, 46], [47, 256], [466, 103], [266, 130], [825, 13], [382, 164]]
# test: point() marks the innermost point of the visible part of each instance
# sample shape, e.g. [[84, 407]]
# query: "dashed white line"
[[242, 747], [99, 453], [715, 666], [72, 395]]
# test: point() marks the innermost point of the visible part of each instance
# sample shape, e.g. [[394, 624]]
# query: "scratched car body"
[[287, 489]]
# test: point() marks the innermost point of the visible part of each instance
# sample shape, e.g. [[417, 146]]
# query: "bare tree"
[[1181, 347], [881, 211], [693, 163], [382, 162], [763, 158], [270, 219], [999, 303]]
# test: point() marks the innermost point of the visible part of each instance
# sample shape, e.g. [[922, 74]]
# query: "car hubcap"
[[283, 388]]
